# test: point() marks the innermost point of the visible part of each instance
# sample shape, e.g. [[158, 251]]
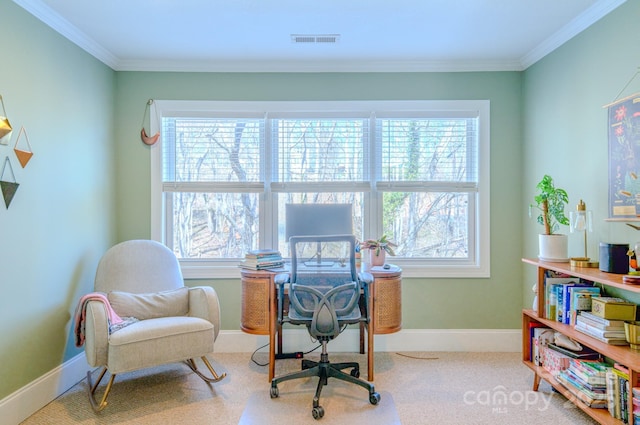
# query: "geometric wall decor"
[[5, 127], [23, 156], [8, 188]]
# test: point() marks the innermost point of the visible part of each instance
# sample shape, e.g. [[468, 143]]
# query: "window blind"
[[432, 152], [212, 150]]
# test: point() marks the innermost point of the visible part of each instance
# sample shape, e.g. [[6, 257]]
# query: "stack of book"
[[605, 330], [587, 381], [262, 259]]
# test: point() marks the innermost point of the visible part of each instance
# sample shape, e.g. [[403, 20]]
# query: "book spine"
[[613, 395]]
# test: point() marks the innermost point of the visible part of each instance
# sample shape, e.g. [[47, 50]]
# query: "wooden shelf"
[[589, 273], [600, 415], [621, 354]]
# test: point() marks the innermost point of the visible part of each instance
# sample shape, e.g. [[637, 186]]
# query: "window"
[[417, 171]]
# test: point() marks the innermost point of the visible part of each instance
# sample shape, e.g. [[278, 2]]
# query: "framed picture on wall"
[[624, 158]]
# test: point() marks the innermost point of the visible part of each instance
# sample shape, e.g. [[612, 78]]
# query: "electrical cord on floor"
[[417, 358], [255, 352], [253, 359]]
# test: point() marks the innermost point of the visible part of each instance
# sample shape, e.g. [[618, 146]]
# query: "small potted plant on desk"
[[551, 202], [378, 249]]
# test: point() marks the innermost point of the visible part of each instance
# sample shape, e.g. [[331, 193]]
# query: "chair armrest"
[[96, 332], [280, 280], [365, 277], [204, 303]]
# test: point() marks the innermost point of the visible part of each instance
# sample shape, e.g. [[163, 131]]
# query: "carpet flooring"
[[415, 387]]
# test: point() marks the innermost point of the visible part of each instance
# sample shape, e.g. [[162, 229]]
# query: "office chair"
[[324, 297]]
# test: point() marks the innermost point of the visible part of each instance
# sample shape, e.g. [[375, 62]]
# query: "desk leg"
[[273, 319], [370, 336], [370, 350], [362, 330]]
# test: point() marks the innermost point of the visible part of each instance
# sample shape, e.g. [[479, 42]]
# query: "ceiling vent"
[[315, 38]]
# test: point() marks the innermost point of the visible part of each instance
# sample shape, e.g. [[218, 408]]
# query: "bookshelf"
[[620, 354]]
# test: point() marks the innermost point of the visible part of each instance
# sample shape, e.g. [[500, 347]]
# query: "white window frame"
[[198, 269]]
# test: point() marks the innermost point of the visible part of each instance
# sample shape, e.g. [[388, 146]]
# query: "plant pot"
[[553, 248], [377, 260], [632, 334]]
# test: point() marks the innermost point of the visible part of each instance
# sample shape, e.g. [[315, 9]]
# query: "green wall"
[[427, 303], [87, 186], [62, 217], [565, 126]]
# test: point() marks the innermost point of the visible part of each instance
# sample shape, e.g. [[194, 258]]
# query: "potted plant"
[[378, 248], [551, 201]]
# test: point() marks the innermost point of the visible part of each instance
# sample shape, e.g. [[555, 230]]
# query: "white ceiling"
[[374, 35]]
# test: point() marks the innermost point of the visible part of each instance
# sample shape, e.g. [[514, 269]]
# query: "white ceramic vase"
[[553, 248]]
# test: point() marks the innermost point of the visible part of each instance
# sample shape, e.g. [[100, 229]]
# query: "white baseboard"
[[466, 340], [18, 406], [23, 403]]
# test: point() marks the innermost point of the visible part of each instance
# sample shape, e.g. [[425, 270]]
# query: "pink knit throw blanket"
[[80, 315]]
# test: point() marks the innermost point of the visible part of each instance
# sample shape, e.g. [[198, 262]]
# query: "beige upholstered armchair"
[[150, 318]]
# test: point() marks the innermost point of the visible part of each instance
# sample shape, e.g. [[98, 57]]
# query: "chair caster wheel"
[[274, 392], [374, 398], [317, 412], [355, 373]]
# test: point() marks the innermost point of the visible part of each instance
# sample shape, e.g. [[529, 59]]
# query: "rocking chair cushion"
[[159, 341], [174, 302]]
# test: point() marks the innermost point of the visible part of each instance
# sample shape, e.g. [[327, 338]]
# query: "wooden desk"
[[259, 312]]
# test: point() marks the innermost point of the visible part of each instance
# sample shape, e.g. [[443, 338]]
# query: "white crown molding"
[[62, 26], [318, 66], [573, 28], [43, 12]]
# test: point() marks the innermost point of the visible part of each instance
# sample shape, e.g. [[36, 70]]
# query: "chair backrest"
[[138, 266], [324, 294]]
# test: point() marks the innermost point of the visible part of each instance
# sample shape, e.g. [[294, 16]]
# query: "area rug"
[[342, 405]]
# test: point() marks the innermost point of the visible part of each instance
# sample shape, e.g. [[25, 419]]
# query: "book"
[[601, 320], [580, 300], [609, 340], [541, 337], [261, 266], [622, 375], [579, 393], [582, 318], [613, 394], [551, 294], [262, 259], [602, 333], [258, 253], [596, 392], [586, 353], [591, 372], [563, 296]]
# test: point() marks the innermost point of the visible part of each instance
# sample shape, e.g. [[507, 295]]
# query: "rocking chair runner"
[[142, 279]]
